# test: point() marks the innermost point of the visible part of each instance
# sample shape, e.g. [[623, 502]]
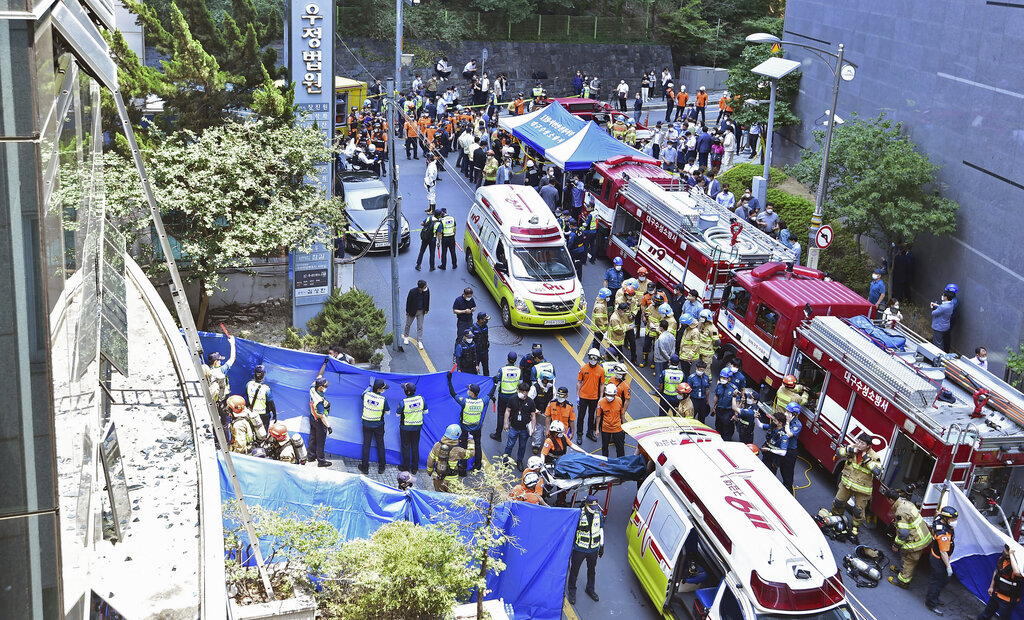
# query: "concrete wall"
[[519, 60], [951, 71]]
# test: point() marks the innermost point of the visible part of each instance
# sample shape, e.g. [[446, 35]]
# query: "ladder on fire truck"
[[888, 375]]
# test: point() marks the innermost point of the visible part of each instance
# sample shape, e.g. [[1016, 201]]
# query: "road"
[[621, 593]]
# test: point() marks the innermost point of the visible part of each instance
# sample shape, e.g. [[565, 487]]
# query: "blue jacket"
[[876, 291], [724, 393], [699, 385], [795, 427], [614, 278], [704, 141], [941, 316]]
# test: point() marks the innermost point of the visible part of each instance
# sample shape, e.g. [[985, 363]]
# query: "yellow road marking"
[[423, 354], [565, 343], [586, 345], [568, 610]]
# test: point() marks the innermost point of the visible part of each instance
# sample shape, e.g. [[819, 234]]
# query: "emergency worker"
[[557, 444], [542, 392], [745, 411], [589, 381], [599, 317], [281, 448], [466, 353], [447, 232], [410, 415], [1006, 586], [622, 386], [216, 370], [374, 408], [689, 342], [319, 427], [482, 340], [444, 458], [261, 402], [652, 320], [791, 428], [618, 325], [609, 421], [505, 384], [709, 338], [668, 384], [912, 538], [943, 543], [526, 491], [700, 384], [613, 277], [627, 294], [588, 545], [541, 365], [790, 392], [862, 465], [561, 410], [721, 404], [241, 431], [775, 442], [471, 419], [685, 407]]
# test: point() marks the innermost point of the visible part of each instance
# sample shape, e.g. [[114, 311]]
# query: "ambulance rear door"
[[657, 529]]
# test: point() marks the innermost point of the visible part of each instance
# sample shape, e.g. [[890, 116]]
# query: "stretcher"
[[576, 474], [566, 491]]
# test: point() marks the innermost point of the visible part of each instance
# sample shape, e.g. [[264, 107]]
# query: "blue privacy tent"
[[564, 139]]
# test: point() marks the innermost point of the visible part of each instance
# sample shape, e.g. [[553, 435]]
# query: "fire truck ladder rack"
[[889, 375]]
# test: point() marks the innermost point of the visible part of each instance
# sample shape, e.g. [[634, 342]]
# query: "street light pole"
[[813, 252], [395, 233], [771, 130]]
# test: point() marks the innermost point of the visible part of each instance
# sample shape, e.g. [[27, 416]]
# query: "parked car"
[[366, 207], [599, 112]]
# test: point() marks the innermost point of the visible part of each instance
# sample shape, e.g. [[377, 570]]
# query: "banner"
[[291, 373], [536, 566]]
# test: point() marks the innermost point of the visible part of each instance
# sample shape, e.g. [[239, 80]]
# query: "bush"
[[741, 176], [350, 320], [796, 211], [843, 262]]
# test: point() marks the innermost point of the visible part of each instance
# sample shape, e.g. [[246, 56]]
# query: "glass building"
[[104, 505]]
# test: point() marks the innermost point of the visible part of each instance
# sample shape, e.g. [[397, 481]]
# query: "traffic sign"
[[823, 238], [483, 55]]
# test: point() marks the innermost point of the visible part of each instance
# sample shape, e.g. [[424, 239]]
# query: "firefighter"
[[943, 543], [669, 383], [617, 326], [627, 294], [465, 353], [685, 407], [282, 448], [700, 384], [744, 407], [599, 318], [542, 392], [789, 392], [505, 383], [689, 342], [445, 456], [241, 430], [471, 419], [526, 491], [721, 404], [912, 538], [652, 318], [410, 415], [260, 400], [1006, 586], [709, 338], [665, 310], [862, 465]]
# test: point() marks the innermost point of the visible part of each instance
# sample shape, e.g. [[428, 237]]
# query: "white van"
[[514, 244], [714, 534]]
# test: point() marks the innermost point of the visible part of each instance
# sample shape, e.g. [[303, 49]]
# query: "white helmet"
[[557, 427], [531, 479], [620, 370], [610, 390], [534, 462], [594, 353]]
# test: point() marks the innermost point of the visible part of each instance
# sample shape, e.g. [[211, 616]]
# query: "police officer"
[[721, 404], [541, 365], [447, 233], [482, 340], [588, 545], [527, 362], [374, 408], [942, 547], [429, 229], [319, 427], [745, 411], [669, 381], [471, 419], [789, 392], [260, 400], [465, 353], [410, 416], [1006, 586], [542, 392], [506, 383], [700, 384], [912, 537], [862, 465], [774, 442], [791, 429], [445, 456], [577, 245], [613, 277]]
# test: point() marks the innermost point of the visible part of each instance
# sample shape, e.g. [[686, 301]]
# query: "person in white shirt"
[[622, 91], [981, 357], [666, 77], [469, 71], [443, 68], [729, 144], [726, 198], [485, 83], [892, 315]]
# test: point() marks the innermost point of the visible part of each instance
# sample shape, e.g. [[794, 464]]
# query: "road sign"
[[483, 54], [776, 48], [823, 238]]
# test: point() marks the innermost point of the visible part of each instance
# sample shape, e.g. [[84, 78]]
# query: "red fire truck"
[[934, 417], [606, 178]]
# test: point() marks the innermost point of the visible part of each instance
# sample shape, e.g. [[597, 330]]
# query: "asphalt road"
[[621, 593]]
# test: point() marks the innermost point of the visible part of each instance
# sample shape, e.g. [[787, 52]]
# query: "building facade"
[[950, 70]]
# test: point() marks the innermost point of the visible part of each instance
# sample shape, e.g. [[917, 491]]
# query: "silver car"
[[366, 207]]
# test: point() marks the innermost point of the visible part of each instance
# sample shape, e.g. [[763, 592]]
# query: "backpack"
[[429, 229]]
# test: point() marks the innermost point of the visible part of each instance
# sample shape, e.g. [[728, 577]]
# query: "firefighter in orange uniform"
[[1006, 586], [942, 550]]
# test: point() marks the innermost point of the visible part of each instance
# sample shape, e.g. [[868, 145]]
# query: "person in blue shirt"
[[692, 305], [465, 353], [722, 406], [471, 419], [776, 442], [791, 431], [482, 340], [704, 141], [942, 316], [410, 415], [739, 380], [745, 414], [613, 277], [700, 384], [578, 193], [374, 408], [876, 292]]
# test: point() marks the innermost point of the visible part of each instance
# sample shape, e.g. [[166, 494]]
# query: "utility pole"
[[813, 253], [395, 225]]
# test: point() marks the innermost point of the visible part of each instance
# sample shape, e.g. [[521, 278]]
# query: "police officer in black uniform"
[[482, 339], [465, 353]]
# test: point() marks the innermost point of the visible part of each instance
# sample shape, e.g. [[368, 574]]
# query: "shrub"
[[350, 320], [796, 211], [844, 263], [741, 176]]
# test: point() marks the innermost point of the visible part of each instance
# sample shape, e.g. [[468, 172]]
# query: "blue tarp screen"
[[534, 579], [291, 373]]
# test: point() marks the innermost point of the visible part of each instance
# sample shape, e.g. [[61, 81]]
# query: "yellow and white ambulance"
[[713, 534], [514, 244]]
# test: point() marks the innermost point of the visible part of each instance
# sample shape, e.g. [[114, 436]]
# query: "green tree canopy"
[[878, 183], [746, 85]]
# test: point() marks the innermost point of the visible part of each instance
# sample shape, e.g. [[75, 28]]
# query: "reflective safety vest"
[[510, 379], [859, 473], [708, 336], [538, 91], [257, 397], [414, 408], [448, 226], [373, 406], [591, 222], [315, 398], [912, 534], [600, 317], [1008, 585], [673, 377], [588, 531], [471, 411], [609, 372], [545, 366]]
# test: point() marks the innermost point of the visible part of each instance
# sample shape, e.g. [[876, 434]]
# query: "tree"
[[686, 30], [878, 183], [234, 192], [745, 85], [351, 320], [402, 572]]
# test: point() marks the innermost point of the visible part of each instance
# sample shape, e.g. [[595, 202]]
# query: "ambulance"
[[713, 534], [514, 245]]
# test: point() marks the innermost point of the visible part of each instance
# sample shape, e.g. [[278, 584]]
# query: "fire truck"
[[606, 178], [683, 236], [935, 418]]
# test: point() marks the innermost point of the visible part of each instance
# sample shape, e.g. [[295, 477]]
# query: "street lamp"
[[774, 69], [844, 70]]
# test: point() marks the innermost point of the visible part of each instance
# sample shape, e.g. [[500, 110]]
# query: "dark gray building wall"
[[951, 70]]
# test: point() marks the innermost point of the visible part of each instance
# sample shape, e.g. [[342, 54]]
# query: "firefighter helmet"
[[633, 283], [705, 314], [948, 512], [534, 463], [454, 431], [531, 479], [793, 407], [610, 390], [236, 403], [726, 373], [617, 261], [620, 370], [683, 388], [665, 310], [279, 431], [754, 448], [604, 293], [686, 319], [789, 381], [641, 271], [628, 290]]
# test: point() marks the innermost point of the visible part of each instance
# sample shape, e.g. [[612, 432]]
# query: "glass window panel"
[[28, 568], [15, 90]]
